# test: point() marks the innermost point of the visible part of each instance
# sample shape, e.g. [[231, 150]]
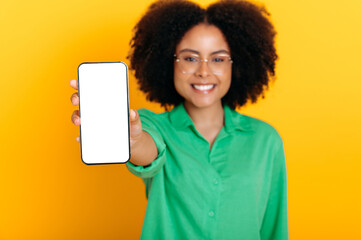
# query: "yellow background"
[[46, 192]]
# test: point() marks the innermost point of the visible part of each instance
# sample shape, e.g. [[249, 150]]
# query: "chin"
[[202, 104]]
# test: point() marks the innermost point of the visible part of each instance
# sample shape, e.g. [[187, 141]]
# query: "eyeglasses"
[[188, 63]]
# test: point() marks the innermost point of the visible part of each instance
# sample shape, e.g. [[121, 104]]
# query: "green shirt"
[[236, 190]]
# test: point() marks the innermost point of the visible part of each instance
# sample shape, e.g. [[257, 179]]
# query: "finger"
[[74, 84], [132, 115], [135, 124], [74, 99], [78, 139], [75, 118]]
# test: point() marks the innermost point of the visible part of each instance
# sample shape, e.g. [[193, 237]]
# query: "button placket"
[[211, 213]]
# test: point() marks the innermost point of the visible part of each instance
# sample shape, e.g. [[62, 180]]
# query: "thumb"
[[135, 124]]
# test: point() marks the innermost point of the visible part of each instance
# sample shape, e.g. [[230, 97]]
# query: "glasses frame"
[[177, 59]]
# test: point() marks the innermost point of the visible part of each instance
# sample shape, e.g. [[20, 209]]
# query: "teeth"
[[203, 87]]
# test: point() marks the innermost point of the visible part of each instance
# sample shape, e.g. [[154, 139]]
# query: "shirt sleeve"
[[275, 220], [152, 169]]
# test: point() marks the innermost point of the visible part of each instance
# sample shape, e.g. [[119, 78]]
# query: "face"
[[204, 87]]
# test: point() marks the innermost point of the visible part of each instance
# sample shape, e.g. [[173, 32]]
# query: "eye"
[[219, 59], [190, 58]]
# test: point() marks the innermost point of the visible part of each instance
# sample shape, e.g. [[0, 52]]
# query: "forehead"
[[203, 38]]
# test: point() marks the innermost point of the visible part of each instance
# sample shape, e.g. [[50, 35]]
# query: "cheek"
[[177, 83], [226, 87], [228, 80], [176, 73]]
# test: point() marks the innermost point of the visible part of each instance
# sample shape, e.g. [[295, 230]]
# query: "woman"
[[210, 172]]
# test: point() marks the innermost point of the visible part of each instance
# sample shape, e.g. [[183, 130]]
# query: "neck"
[[206, 116]]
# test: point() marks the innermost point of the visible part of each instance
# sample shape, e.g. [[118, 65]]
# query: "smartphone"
[[104, 112]]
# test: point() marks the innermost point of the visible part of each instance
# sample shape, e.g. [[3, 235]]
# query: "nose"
[[203, 69]]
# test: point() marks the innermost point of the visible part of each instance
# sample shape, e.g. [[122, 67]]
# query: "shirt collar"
[[179, 117], [233, 120]]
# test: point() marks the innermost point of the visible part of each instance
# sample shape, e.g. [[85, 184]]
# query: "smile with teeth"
[[203, 87]]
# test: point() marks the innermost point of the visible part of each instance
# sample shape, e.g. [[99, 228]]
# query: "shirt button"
[[215, 181], [211, 213]]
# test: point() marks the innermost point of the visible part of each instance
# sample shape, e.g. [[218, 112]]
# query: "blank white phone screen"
[[103, 111]]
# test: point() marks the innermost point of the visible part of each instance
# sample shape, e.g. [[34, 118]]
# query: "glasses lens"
[[188, 62], [219, 64]]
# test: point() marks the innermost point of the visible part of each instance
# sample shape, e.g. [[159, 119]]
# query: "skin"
[[204, 107]]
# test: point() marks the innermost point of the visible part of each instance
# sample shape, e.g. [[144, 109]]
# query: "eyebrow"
[[196, 52]]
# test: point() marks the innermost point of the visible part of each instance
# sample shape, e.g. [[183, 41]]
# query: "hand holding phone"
[[103, 110]]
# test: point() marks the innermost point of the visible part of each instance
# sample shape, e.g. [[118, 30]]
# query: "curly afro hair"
[[246, 27]]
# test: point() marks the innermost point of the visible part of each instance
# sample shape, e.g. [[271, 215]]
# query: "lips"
[[203, 87]]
